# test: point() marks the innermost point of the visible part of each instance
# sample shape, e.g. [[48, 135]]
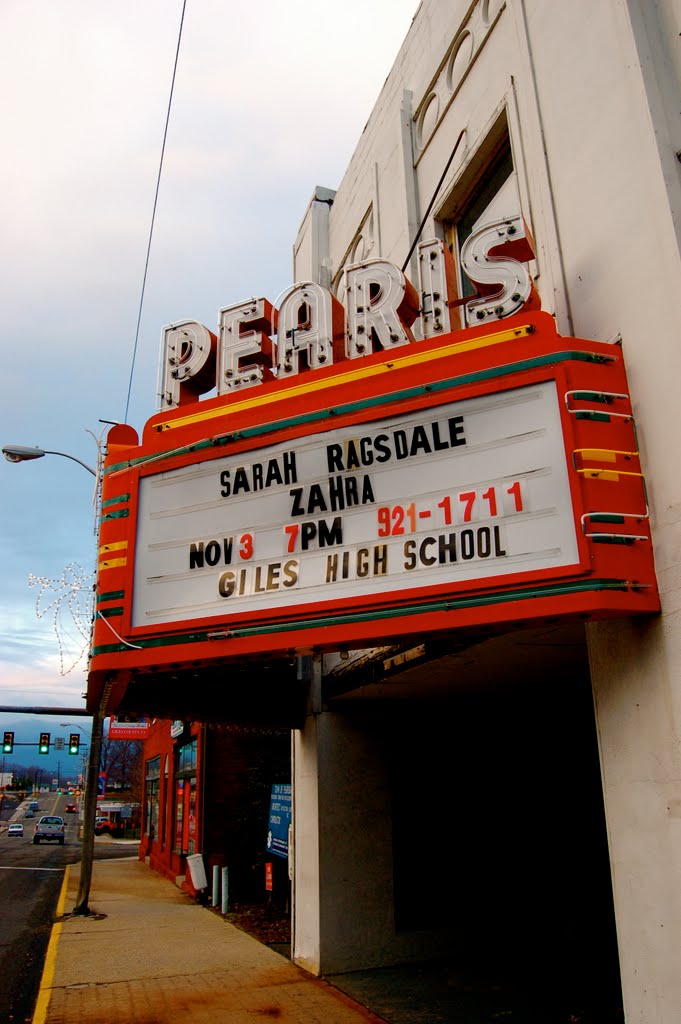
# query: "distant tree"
[[122, 762]]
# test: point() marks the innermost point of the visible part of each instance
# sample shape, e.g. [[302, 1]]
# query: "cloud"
[[38, 682]]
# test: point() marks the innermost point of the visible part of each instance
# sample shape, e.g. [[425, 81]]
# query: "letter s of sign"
[[489, 258]]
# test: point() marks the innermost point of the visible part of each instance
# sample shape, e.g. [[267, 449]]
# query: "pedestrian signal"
[[44, 745], [8, 743], [74, 740]]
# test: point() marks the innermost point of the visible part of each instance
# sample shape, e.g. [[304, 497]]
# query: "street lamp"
[[83, 750], [23, 453], [74, 725]]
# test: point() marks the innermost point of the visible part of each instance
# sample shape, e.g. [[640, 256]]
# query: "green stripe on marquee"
[[122, 513], [321, 621], [118, 500]]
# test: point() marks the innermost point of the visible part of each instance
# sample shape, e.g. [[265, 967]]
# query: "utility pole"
[[90, 809]]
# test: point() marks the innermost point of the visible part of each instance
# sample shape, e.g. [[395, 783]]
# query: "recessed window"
[[488, 190]]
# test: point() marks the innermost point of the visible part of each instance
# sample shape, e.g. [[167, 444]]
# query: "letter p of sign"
[[188, 363]]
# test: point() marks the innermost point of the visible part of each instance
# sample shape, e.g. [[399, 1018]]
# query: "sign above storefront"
[[128, 727], [486, 478]]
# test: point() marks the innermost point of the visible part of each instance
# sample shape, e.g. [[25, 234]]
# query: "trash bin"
[[197, 870]]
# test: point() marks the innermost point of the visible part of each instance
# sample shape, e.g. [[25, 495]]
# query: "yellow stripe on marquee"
[[114, 563], [117, 545], [603, 454], [397, 363], [606, 474], [601, 474]]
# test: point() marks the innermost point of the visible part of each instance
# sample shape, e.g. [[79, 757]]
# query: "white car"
[[51, 827], [16, 829]]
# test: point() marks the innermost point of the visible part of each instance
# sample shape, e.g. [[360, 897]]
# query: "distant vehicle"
[[51, 828], [70, 809], [29, 814], [34, 805], [16, 829]]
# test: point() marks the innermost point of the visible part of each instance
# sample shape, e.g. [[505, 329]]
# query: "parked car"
[[16, 829], [51, 828], [105, 826]]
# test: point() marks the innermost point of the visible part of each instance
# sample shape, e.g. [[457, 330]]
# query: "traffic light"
[[8, 743], [44, 745], [74, 740]]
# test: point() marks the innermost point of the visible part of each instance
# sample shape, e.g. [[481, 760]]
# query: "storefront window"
[[185, 835], [186, 757], [191, 817], [152, 779], [179, 814], [163, 815]]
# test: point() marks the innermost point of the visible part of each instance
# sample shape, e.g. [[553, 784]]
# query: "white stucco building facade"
[[520, 780]]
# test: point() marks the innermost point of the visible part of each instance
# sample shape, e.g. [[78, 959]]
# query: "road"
[[30, 882]]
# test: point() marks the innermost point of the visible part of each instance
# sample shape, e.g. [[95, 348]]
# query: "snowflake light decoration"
[[70, 600]]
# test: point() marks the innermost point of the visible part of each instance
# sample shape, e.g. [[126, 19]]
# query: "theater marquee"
[[471, 490], [473, 478]]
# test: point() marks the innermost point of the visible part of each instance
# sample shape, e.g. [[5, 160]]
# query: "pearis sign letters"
[[382, 311]]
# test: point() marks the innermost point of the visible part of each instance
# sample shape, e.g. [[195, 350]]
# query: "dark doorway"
[[499, 836]]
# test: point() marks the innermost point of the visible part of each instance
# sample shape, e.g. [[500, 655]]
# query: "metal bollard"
[[216, 885], [225, 890]]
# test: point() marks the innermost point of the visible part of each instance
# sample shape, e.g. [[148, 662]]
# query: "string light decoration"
[[70, 601]]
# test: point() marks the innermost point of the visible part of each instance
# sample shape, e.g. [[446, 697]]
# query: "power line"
[[153, 214]]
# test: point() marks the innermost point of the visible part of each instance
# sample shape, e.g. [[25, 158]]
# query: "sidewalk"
[[150, 955]]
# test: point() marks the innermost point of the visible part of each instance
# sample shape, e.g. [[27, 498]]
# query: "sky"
[[269, 101]]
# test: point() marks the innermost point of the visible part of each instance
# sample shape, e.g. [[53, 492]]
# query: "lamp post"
[[83, 750], [24, 453], [74, 725]]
